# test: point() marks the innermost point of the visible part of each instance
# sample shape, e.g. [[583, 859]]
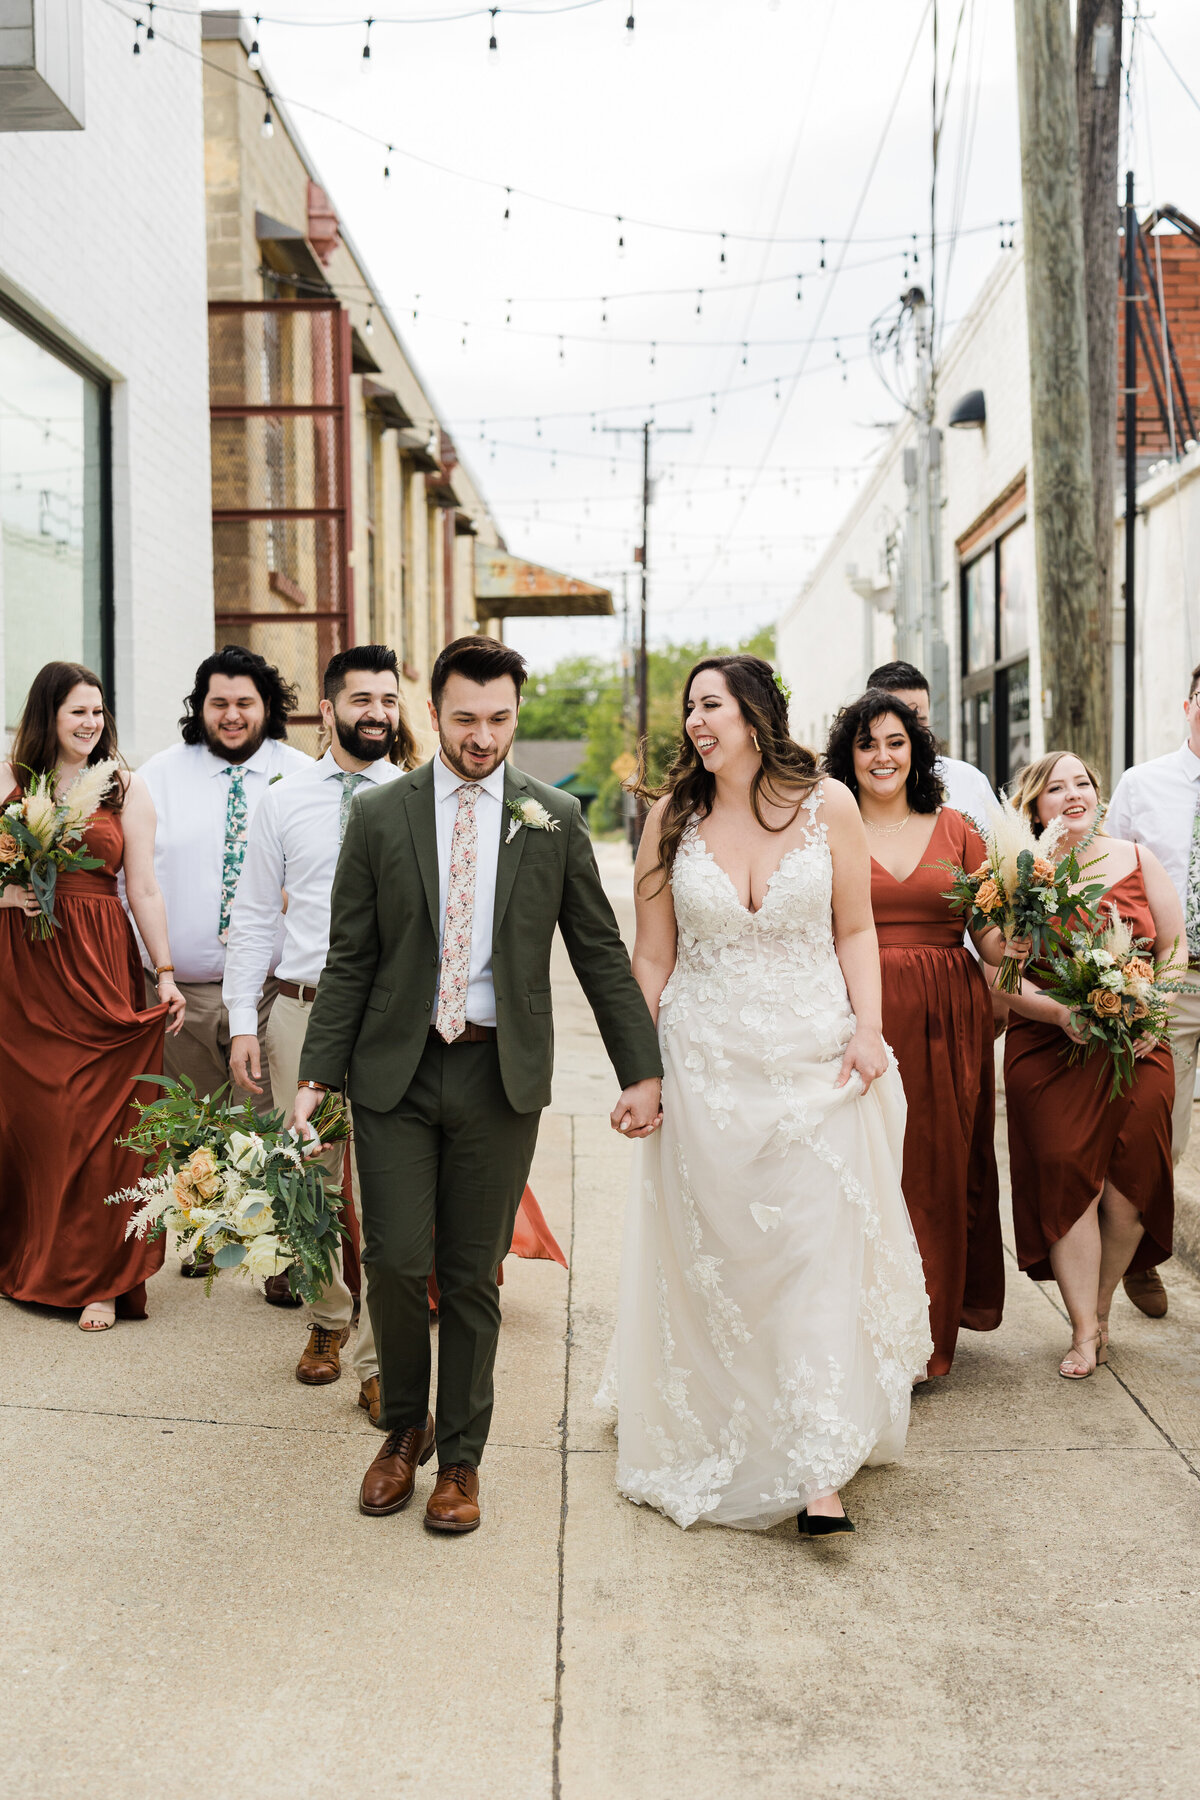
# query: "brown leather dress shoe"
[[454, 1502], [1147, 1292], [321, 1362], [387, 1486], [368, 1399], [196, 1268], [276, 1292]]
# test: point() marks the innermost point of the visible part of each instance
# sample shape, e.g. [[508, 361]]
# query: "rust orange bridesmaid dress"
[[75, 1034], [937, 1018], [1065, 1135]]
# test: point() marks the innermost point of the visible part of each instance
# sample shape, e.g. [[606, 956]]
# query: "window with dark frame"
[[997, 601], [55, 508]]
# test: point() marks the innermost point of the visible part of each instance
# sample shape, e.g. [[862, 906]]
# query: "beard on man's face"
[[473, 768], [365, 749], [235, 753]]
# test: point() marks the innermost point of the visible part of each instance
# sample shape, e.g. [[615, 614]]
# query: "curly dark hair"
[[787, 772], [853, 727], [278, 696]]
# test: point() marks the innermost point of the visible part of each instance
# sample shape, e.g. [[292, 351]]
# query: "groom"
[[435, 1000]]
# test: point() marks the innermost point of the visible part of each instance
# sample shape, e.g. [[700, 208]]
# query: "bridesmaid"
[[937, 1015], [68, 1054], [1093, 1191]]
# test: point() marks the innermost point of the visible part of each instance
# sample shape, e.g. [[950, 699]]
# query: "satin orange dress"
[[937, 1018], [75, 1033], [1065, 1136]]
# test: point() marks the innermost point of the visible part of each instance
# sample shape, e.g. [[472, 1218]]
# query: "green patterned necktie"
[[1191, 912], [349, 782], [235, 846]]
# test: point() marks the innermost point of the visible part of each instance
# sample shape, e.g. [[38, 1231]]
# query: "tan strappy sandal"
[[98, 1315], [1074, 1365]]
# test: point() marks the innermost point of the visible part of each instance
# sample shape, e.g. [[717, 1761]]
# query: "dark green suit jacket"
[[377, 995]]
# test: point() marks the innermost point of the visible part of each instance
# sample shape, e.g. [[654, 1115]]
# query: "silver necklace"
[[887, 830]]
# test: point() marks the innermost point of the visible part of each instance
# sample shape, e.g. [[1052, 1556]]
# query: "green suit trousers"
[[450, 1163]]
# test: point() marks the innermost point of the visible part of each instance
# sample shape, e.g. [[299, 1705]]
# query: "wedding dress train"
[[772, 1312]]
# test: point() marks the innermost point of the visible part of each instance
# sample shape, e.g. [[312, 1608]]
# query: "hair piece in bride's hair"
[[785, 775]]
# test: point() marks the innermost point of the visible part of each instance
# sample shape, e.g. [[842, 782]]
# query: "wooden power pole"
[[1072, 614], [1098, 105]]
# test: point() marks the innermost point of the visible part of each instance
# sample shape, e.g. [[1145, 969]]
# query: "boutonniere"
[[530, 813]]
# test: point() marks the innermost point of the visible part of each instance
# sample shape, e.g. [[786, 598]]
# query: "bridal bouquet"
[[1024, 887], [1114, 993], [235, 1186], [39, 836]]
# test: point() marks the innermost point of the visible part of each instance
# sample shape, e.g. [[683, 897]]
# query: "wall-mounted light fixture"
[[970, 413]]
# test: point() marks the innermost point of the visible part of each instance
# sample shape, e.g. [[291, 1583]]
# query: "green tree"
[[561, 703]]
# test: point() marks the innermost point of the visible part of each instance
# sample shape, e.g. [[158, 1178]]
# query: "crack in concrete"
[[563, 1425], [347, 1431]]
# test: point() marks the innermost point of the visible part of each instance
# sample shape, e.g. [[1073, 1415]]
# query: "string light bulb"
[[137, 47], [267, 128], [493, 46], [722, 246], [365, 61], [150, 21], [620, 236], [387, 167], [254, 59], [368, 325], [507, 206], [629, 29]]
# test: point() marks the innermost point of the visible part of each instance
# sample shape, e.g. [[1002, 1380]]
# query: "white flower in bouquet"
[[265, 1256], [247, 1152], [82, 799], [255, 1216]]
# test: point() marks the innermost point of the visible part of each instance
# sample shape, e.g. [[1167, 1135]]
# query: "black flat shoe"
[[820, 1525]]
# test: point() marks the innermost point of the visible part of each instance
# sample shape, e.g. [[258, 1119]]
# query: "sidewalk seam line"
[[1162, 1431], [556, 1741]]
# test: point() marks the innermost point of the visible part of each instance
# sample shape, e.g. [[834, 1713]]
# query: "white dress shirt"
[[190, 791], [1155, 805], [490, 820], [968, 789], [293, 845]]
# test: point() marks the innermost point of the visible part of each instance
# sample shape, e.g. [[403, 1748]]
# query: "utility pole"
[[1072, 615], [1098, 103], [935, 656], [643, 557], [1130, 385]]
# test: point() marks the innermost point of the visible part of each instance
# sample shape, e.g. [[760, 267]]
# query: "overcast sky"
[[767, 118]]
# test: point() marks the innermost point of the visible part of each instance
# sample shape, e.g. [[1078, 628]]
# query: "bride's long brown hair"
[[689, 788]]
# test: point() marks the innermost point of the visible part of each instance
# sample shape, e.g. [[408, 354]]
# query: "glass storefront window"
[[53, 524], [1020, 742], [980, 588], [1016, 591]]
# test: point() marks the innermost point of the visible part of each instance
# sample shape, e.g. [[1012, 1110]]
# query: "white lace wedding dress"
[[772, 1311]]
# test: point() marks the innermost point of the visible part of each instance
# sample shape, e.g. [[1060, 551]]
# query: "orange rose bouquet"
[[1115, 994], [1024, 886]]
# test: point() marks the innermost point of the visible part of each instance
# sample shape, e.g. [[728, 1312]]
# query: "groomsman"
[[293, 848], [1158, 804], [206, 791], [968, 789]]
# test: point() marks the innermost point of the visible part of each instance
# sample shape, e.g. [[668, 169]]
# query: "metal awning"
[[292, 250], [385, 402], [508, 587]]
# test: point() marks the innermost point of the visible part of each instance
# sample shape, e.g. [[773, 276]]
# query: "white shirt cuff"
[[243, 1021]]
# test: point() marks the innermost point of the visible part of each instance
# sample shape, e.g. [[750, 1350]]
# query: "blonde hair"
[[1029, 784]]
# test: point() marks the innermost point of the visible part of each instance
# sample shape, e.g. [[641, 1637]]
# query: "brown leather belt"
[[296, 991], [470, 1034]]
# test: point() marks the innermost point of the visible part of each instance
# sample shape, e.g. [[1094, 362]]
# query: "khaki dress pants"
[[201, 1051], [335, 1308], [1185, 1037]]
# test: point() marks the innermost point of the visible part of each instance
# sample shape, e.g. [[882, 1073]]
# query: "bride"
[[772, 1314]]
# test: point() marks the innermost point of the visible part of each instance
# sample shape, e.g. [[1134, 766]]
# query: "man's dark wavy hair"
[[278, 696], [853, 726], [480, 659]]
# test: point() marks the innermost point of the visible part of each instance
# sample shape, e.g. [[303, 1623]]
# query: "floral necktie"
[[349, 782], [455, 973], [235, 846], [1191, 912]]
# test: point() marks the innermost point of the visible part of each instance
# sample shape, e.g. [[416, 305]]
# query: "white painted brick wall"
[[102, 237]]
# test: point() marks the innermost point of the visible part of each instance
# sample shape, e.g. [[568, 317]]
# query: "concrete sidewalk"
[[193, 1606]]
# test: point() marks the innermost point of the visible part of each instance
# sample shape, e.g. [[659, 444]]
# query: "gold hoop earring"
[[755, 742]]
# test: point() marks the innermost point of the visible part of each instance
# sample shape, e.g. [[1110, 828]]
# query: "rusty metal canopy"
[[508, 587]]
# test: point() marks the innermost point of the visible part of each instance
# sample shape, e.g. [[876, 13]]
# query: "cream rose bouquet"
[[235, 1186], [1116, 996], [40, 837], [1024, 886]]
